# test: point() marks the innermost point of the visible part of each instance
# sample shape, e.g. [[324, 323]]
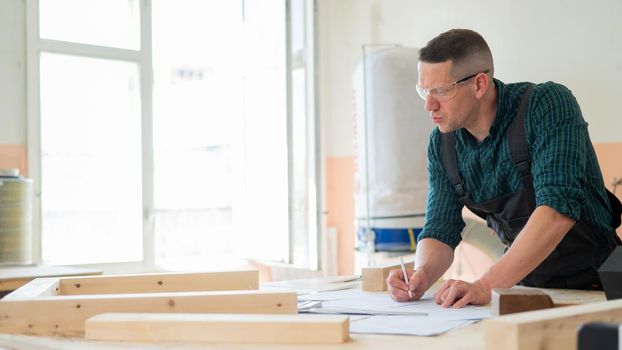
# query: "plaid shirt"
[[566, 175]]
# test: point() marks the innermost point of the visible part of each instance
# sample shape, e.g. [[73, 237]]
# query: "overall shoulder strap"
[[450, 163], [517, 137]]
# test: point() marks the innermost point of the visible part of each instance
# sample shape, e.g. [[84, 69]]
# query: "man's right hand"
[[417, 280]]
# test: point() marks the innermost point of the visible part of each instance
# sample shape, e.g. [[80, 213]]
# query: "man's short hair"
[[467, 50]]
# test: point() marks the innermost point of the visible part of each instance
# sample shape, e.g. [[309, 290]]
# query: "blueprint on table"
[[386, 316]]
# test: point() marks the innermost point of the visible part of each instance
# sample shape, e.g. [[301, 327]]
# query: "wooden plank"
[[13, 277], [573, 296], [465, 338], [65, 315], [156, 283], [11, 285], [219, 328], [551, 329], [374, 279], [40, 287]]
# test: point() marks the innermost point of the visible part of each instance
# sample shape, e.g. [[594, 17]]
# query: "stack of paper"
[[378, 313]]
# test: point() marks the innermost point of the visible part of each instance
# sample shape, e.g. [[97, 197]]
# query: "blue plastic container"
[[391, 239]]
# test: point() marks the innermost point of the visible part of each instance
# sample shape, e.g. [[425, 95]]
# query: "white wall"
[[573, 42], [12, 72]]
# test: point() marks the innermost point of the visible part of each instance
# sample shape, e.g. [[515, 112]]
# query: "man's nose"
[[431, 104]]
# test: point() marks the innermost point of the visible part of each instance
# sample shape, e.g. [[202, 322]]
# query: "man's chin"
[[444, 129]]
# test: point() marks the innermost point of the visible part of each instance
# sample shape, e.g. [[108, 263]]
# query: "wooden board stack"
[[180, 301]]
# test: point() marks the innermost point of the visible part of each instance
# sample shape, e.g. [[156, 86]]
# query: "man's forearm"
[[434, 257], [542, 233]]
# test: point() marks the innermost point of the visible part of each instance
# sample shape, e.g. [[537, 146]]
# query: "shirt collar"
[[501, 119]]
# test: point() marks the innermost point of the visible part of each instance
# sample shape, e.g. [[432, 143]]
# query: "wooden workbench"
[[467, 338]]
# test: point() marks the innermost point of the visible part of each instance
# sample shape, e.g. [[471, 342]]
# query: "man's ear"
[[482, 81]]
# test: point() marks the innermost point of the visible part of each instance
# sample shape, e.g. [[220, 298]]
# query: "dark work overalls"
[[574, 262]]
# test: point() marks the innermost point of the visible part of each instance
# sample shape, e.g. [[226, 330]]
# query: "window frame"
[[306, 59]]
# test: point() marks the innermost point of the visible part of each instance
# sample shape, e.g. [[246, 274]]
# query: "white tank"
[[392, 130]]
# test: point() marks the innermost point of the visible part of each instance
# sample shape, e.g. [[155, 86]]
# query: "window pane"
[[300, 185], [197, 112], [220, 177], [297, 25], [114, 23], [91, 160], [264, 203]]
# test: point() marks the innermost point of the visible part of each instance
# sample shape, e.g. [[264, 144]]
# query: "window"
[[90, 156], [165, 143]]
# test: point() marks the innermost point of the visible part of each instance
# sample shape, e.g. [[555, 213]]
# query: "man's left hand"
[[458, 293]]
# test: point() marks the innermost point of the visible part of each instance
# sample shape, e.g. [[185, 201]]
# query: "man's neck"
[[485, 116]]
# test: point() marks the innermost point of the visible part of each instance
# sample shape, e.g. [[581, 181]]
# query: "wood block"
[[550, 329], [511, 300], [219, 328], [374, 279]]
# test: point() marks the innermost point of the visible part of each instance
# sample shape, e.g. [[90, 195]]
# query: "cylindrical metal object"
[[16, 194]]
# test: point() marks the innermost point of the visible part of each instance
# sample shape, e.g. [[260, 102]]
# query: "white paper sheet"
[[405, 325], [355, 301]]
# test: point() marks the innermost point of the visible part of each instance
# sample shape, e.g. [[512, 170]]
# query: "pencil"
[[410, 294]]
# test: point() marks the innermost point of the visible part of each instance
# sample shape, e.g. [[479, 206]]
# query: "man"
[[518, 155]]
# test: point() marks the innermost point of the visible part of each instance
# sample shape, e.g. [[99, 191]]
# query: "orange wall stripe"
[[14, 156], [340, 206]]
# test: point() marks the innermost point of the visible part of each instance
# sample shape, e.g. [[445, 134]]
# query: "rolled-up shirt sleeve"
[[559, 150], [443, 211]]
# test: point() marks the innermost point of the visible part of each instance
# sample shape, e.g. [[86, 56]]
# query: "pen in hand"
[[410, 294]]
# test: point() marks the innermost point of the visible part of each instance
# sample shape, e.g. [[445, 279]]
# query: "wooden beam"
[[551, 329], [374, 279], [65, 315], [219, 328], [39, 287], [13, 277], [167, 282]]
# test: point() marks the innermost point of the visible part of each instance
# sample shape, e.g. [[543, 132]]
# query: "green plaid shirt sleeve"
[[443, 212], [566, 174]]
